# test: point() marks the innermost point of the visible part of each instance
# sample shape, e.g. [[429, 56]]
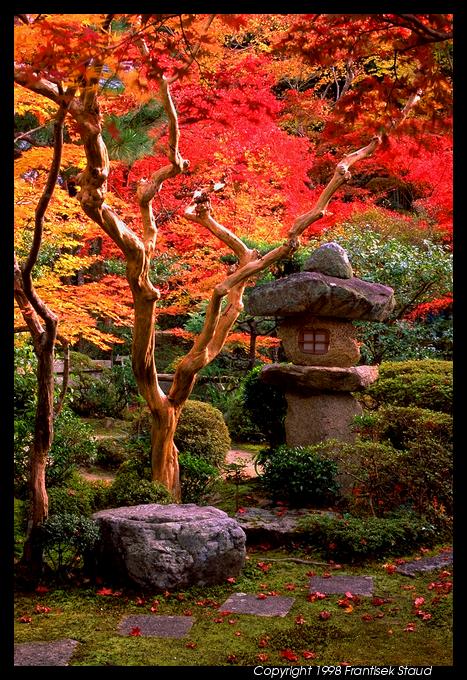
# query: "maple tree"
[[241, 164]]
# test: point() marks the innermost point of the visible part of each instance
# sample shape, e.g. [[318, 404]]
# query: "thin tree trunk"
[[164, 453]]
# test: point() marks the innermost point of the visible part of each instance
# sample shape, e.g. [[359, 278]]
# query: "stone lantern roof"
[[327, 288]]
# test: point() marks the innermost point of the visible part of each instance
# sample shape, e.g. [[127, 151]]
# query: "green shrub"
[[353, 539], [73, 445], [301, 475], [66, 539], [79, 496], [402, 425], [202, 432], [424, 384], [110, 454], [241, 427], [377, 478], [197, 478], [129, 488], [105, 395], [266, 407]]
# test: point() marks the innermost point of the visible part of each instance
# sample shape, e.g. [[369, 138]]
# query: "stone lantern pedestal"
[[315, 309]]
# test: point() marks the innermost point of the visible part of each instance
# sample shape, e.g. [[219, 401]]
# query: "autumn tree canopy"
[[177, 125]]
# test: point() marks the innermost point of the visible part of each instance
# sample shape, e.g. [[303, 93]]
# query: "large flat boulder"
[[168, 547], [319, 378], [321, 295]]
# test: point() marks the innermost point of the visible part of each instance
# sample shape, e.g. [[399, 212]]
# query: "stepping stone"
[[56, 653], [426, 564], [241, 603], [357, 585], [151, 625]]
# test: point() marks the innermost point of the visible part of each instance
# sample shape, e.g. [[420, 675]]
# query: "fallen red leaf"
[[324, 615], [25, 619], [263, 642], [418, 602], [191, 645], [41, 609], [262, 657], [410, 627], [367, 617], [290, 586], [231, 579], [105, 591], [261, 596], [289, 655], [219, 620], [309, 655], [299, 620], [238, 633], [188, 612], [135, 632], [232, 658], [377, 601]]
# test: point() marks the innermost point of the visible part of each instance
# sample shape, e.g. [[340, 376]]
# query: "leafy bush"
[[110, 454], [301, 475], [353, 539], [425, 384], [266, 407], [129, 488], [105, 395], [403, 425], [73, 445], [66, 539], [377, 478], [238, 420], [78, 497], [197, 478], [202, 432]]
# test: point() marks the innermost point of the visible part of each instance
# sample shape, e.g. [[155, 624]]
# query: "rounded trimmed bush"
[[202, 432], [426, 383], [301, 475], [129, 488]]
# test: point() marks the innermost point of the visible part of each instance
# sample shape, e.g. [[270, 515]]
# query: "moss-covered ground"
[[389, 629]]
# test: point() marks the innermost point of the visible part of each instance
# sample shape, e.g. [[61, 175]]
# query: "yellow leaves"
[[67, 265]]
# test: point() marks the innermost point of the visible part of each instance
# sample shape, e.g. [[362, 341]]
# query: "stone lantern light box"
[[315, 309]]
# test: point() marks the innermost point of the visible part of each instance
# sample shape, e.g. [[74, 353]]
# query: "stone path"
[[56, 653], [425, 564], [152, 625], [242, 603], [357, 585]]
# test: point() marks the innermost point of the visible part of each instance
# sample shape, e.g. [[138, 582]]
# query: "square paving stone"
[[426, 564], [151, 625], [357, 585], [57, 653], [241, 603]]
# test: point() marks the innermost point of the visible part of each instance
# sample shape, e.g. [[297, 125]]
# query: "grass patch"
[[372, 632]]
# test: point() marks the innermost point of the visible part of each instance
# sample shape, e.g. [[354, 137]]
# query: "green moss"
[[81, 614]]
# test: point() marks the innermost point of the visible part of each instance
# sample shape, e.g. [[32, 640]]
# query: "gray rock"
[[321, 295], [55, 653], [330, 259], [278, 526], [169, 547], [319, 378]]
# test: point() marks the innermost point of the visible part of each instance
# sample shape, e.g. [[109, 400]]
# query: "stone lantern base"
[[315, 418], [320, 405]]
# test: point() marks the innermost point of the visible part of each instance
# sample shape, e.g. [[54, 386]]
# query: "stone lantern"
[[315, 310]]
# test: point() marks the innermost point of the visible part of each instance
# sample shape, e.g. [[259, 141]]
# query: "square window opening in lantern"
[[314, 341]]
